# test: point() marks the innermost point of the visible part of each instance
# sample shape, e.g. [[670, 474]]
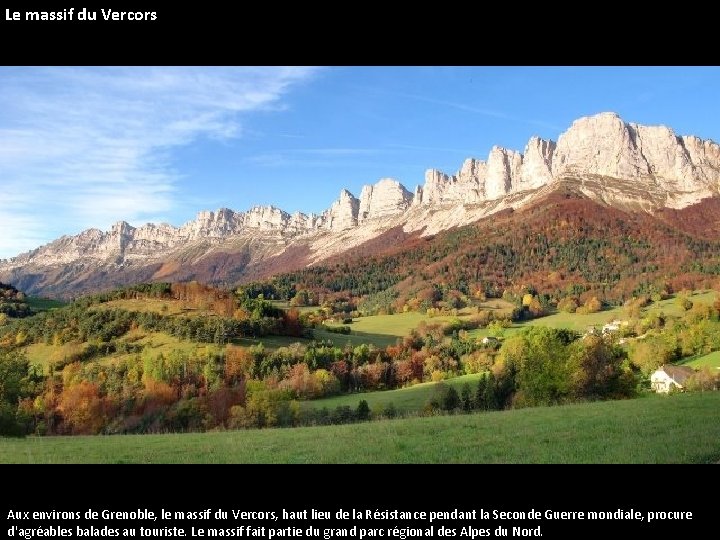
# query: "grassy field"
[[380, 330], [674, 429], [160, 342], [580, 323], [271, 342], [155, 305], [709, 360], [383, 330], [356, 338], [398, 325], [573, 321], [155, 343], [671, 308], [577, 321], [44, 304], [404, 399], [39, 354], [284, 304]]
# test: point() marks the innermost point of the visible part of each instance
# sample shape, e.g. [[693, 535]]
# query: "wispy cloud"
[[336, 151], [311, 157], [544, 124], [464, 151], [482, 111], [82, 147], [493, 113]]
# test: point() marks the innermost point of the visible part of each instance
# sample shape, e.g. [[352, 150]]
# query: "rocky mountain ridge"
[[621, 164]]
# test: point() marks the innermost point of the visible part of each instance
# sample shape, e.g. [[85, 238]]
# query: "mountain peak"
[[604, 114], [618, 163], [346, 195]]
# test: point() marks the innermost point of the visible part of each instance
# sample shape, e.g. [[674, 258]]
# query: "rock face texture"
[[386, 198], [343, 214], [624, 164], [537, 164], [605, 145]]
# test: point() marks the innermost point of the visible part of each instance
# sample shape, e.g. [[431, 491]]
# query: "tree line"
[[570, 249], [214, 380]]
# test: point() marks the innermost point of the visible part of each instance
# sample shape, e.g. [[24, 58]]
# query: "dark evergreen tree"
[[492, 403], [480, 394], [450, 399], [363, 410], [466, 398]]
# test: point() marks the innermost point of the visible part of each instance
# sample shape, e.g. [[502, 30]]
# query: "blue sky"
[[86, 147]]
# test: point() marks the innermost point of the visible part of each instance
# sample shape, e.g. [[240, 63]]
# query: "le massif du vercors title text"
[[80, 15]]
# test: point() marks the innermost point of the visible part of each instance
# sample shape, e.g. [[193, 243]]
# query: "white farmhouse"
[[612, 326], [668, 376]]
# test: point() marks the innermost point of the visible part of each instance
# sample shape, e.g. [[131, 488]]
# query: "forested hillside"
[[13, 303], [187, 356], [563, 246]]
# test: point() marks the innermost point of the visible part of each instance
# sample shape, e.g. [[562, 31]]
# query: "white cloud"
[[83, 147], [312, 157]]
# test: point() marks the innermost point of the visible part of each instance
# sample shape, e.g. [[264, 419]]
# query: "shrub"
[[339, 329], [390, 411], [363, 410]]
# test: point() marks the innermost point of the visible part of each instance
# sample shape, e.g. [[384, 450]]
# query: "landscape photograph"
[[426, 264]]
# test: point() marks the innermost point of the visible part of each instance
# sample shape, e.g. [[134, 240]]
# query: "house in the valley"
[[611, 327], [490, 341], [667, 377]]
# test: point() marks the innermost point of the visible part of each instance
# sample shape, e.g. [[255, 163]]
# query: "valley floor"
[[655, 429]]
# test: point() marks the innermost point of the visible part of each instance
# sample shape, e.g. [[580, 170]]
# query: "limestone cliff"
[[622, 164]]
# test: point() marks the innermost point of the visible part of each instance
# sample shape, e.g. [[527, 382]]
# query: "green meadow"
[[405, 400], [44, 304], [711, 360], [683, 428]]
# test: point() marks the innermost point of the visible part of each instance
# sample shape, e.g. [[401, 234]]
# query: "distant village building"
[[611, 327], [490, 340], [668, 377]]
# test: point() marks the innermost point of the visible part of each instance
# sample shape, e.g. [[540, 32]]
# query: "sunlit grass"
[[671, 429]]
